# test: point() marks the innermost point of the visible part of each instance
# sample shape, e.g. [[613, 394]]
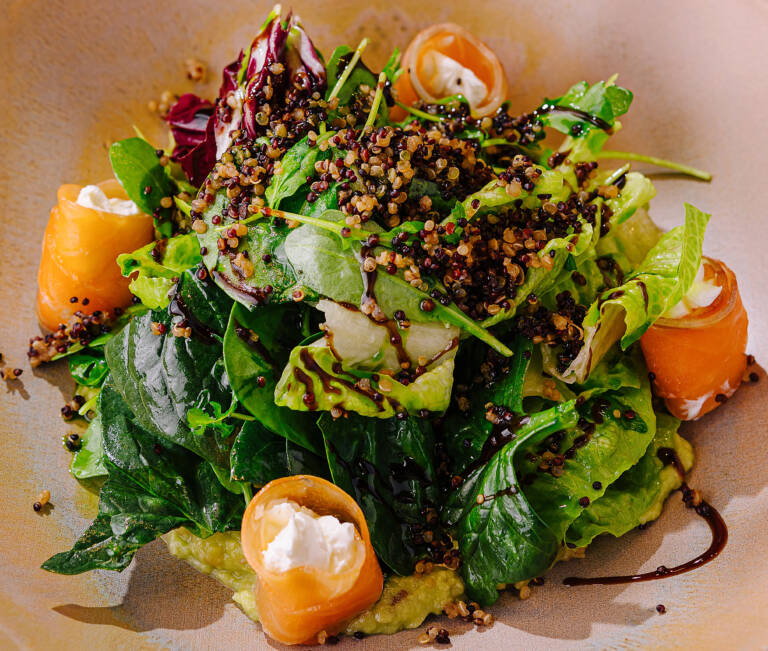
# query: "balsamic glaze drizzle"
[[716, 525]]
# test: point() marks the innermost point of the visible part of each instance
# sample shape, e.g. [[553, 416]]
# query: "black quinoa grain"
[[584, 501], [753, 377], [661, 609], [721, 397]]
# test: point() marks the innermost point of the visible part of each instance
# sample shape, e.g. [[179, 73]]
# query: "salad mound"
[[396, 318]]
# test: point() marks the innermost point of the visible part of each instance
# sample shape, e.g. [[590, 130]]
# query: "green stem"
[[617, 174], [247, 492], [183, 206], [325, 224], [242, 416], [348, 70], [493, 142], [419, 114], [88, 405], [375, 104], [658, 162]]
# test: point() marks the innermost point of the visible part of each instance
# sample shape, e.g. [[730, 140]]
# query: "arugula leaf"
[[637, 497], [88, 461], [626, 312], [328, 268], [313, 381], [88, 368], [153, 487], [155, 279], [256, 347], [500, 536], [137, 167], [387, 465], [593, 107]]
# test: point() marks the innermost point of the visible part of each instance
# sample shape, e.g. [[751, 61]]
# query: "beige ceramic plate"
[[76, 74]]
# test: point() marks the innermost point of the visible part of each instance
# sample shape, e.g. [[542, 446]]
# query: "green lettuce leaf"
[[88, 461], [626, 312], [596, 453], [153, 280], [312, 380], [331, 268], [638, 495]]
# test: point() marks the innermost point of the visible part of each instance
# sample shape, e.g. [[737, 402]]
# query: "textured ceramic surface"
[[77, 74]]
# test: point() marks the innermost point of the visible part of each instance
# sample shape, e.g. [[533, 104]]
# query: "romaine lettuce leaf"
[[627, 311], [638, 495], [585, 460]]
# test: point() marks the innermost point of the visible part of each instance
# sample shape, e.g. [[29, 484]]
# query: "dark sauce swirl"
[[716, 525]]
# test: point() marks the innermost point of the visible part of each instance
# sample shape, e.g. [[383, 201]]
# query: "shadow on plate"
[[162, 593]]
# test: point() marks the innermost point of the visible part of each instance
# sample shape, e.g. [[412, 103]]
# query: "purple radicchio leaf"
[[267, 49], [309, 70], [189, 120]]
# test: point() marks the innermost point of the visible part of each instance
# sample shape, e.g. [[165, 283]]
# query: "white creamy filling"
[[306, 539], [702, 294], [445, 76], [93, 197]]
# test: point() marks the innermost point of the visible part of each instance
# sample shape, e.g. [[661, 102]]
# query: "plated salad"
[[365, 347]]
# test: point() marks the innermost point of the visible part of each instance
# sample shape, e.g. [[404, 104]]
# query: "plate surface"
[[78, 74]]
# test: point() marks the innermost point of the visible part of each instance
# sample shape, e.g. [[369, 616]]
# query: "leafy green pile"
[[221, 380]]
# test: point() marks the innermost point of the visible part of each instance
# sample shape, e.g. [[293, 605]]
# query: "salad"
[[366, 348]]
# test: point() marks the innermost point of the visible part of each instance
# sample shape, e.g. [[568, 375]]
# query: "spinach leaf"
[[638, 495], [273, 279], [295, 166], [387, 465], [137, 167], [259, 456], [88, 461], [325, 265], [501, 538], [88, 367], [256, 347], [467, 430], [153, 487], [154, 279], [162, 377]]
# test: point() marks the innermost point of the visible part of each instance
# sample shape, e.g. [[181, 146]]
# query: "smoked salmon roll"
[[445, 60], [308, 542], [696, 352], [88, 228]]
